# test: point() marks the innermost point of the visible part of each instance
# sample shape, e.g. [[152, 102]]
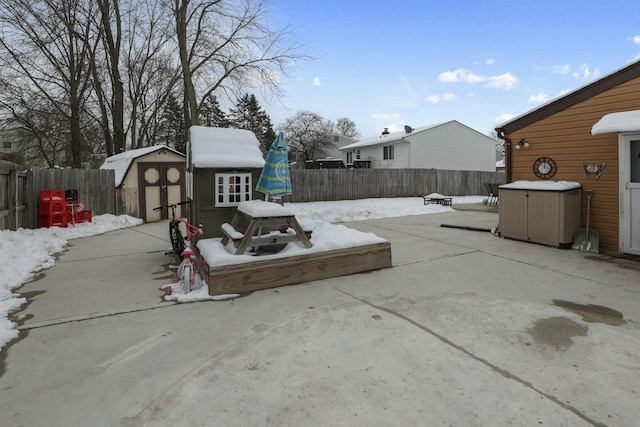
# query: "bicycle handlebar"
[[172, 206]]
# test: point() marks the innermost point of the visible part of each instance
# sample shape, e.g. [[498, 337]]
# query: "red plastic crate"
[[58, 220], [51, 207], [83, 216], [52, 195]]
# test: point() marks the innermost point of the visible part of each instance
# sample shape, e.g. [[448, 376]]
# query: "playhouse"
[[223, 168]]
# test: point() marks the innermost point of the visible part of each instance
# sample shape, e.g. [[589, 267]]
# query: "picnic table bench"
[[444, 201], [258, 223]]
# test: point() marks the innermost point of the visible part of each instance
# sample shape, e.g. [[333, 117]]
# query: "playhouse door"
[[630, 190], [160, 184]]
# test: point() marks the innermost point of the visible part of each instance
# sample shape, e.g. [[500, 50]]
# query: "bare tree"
[[225, 46], [44, 51], [347, 127], [151, 72], [307, 135]]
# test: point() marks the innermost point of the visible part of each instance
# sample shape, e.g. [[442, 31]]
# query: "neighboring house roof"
[[122, 162], [399, 136], [223, 147], [561, 103]]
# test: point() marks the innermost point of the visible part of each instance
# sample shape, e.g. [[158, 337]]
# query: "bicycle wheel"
[[186, 276], [177, 241]]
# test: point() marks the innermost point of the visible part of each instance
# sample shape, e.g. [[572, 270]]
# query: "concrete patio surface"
[[466, 329]]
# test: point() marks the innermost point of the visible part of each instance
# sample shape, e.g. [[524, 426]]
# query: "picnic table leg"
[[293, 223], [246, 240]]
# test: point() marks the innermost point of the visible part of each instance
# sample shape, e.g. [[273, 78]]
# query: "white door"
[[630, 190]]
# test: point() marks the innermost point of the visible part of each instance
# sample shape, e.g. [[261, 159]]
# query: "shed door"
[[630, 189], [160, 184]]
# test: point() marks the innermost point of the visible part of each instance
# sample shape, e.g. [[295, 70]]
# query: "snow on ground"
[[26, 252]]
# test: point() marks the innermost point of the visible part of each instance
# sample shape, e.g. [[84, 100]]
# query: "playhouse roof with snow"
[[223, 147]]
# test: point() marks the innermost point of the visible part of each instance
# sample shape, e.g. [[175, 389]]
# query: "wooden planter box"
[[272, 273]]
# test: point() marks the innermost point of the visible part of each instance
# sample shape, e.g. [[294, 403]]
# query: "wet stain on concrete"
[[592, 313], [557, 331], [627, 262], [36, 277]]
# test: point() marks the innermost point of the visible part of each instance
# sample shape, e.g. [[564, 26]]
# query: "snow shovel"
[[585, 239]]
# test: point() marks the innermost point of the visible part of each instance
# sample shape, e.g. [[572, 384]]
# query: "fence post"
[[13, 199]]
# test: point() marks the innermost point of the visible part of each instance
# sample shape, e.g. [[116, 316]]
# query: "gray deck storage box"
[[542, 212]]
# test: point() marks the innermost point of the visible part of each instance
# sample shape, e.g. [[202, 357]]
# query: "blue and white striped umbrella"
[[274, 179]]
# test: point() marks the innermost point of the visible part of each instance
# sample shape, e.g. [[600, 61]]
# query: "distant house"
[[590, 136], [447, 146], [146, 178], [223, 167], [336, 141]]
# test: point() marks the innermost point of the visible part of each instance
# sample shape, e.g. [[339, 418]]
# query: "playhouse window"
[[232, 188]]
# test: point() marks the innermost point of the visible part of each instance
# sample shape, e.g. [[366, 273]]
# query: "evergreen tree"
[[172, 130], [211, 114], [248, 115]]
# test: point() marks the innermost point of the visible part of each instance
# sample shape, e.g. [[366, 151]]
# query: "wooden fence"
[[20, 191], [348, 184], [96, 188], [13, 196]]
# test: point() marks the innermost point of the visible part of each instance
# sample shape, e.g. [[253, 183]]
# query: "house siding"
[[452, 146], [566, 138]]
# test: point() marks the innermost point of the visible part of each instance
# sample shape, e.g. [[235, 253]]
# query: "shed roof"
[[223, 147], [122, 162], [609, 81]]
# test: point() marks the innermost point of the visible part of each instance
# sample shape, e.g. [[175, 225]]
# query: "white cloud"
[[503, 118], [636, 39], [434, 99], [490, 61], [460, 76], [316, 81], [586, 72], [562, 69], [385, 116], [539, 98], [504, 81]]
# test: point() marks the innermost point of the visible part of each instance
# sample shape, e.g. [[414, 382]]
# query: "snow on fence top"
[[222, 147]]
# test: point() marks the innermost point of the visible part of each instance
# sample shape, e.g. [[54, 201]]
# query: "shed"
[[590, 136], [146, 178], [223, 167], [446, 146]]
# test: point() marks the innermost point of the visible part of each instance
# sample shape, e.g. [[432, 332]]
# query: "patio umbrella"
[[274, 179]]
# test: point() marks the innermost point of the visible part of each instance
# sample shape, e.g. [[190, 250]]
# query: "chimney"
[[385, 131]]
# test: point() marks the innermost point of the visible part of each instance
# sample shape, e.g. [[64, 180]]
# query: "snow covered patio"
[[465, 329]]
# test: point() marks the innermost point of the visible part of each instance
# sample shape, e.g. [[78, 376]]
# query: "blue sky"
[[405, 62]]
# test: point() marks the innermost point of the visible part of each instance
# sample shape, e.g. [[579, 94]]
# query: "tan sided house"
[[590, 136]]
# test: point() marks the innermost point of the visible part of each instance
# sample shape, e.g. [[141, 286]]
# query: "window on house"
[[349, 157], [232, 188], [387, 153], [336, 138], [357, 154]]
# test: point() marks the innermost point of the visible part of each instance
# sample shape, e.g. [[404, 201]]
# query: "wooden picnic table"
[[258, 223], [445, 201]]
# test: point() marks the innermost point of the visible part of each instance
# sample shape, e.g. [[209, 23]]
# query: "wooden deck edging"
[[272, 273]]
